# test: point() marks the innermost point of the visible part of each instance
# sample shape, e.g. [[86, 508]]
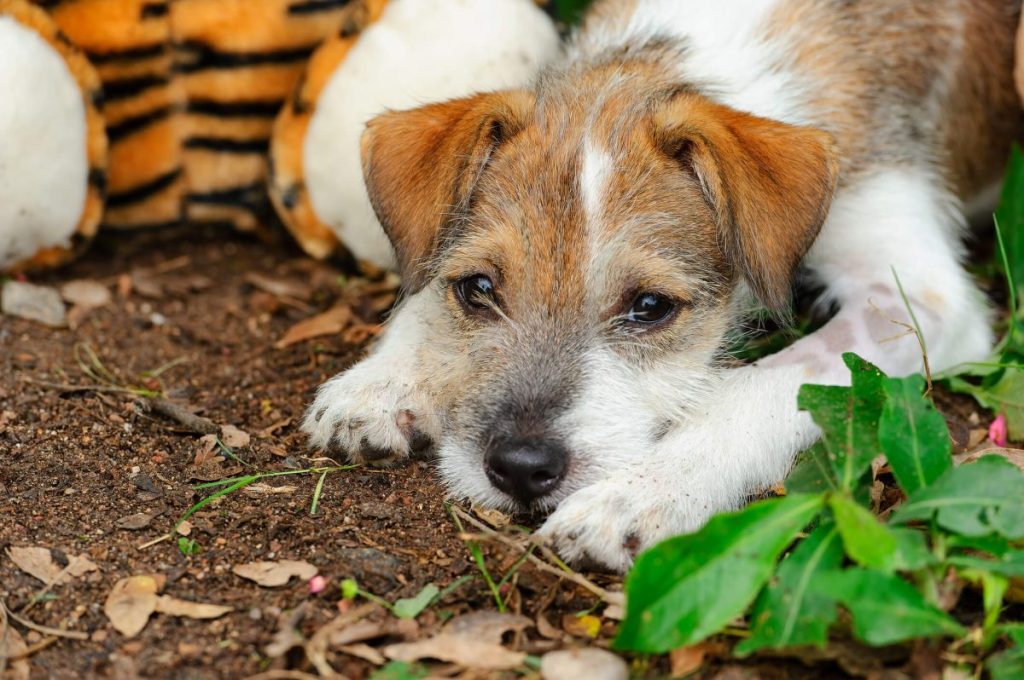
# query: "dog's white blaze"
[[593, 180]]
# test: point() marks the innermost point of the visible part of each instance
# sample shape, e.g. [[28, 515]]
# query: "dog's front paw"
[[606, 524], [371, 416]]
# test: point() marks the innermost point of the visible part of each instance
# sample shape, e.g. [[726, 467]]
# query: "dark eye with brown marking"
[[649, 309], [476, 293]]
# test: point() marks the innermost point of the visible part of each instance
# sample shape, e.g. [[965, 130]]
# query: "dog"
[[575, 255]]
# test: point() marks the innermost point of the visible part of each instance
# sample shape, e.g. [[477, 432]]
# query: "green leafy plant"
[[998, 383], [886, 574], [406, 607]]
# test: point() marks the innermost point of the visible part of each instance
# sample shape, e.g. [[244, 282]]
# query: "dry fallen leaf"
[[472, 640], [40, 563], [280, 287], [331, 322], [274, 574], [139, 520], [207, 449], [463, 651], [130, 603], [233, 437], [262, 489], [86, 293], [687, 660], [35, 303], [586, 626], [172, 606], [1015, 456], [12, 645], [591, 663], [545, 629]]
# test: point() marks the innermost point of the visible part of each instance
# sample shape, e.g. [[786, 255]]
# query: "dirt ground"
[[195, 316]]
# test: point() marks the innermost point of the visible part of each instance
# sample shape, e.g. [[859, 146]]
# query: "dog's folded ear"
[[421, 166], [769, 184]]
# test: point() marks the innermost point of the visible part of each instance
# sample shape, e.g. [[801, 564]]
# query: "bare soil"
[[79, 454]]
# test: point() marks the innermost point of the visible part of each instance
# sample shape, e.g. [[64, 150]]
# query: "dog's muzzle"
[[526, 470]]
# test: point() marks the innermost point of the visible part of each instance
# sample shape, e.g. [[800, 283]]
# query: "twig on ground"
[[179, 414], [562, 571], [45, 630], [68, 388]]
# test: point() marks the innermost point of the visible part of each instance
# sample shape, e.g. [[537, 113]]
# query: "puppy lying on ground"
[[576, 254]]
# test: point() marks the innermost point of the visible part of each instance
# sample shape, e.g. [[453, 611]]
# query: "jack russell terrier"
[[575, 255]]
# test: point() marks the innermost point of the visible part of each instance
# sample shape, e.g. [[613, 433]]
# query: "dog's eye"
[[650, 308], [476, 292]]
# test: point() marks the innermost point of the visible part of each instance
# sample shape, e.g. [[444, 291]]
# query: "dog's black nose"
[[526, 470]]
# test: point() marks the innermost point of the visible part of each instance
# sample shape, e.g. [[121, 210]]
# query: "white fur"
[[418, 52], [727, 53], [730, 432], [366, 404], [43, 164], [745, 436]]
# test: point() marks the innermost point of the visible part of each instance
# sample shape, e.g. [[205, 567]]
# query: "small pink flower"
[[317, 584], [997, 431]]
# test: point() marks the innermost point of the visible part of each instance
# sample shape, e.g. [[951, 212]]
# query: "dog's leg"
[[381, 409], [744, 439]]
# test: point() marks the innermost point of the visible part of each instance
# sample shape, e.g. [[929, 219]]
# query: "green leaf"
[[867, 541], [812, 472], [1010, 216], [571, 11], [967, 498], [1000, 390], [885, 608], [848, 418], [688, 587], [349, 589], [188, 546], [411, 607], [1009, 564], [912, 551], [787, 613], [913, 435], [1008, 665]]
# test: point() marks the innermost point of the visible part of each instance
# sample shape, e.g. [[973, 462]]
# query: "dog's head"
[[581, 259]]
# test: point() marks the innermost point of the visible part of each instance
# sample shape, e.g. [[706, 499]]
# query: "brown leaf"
[[130, 603], [331, 322], [587, 626], [172, 606], [35, 303], [1015, 456], [274, 574], [261, 489], [687, 660], [233, 437], [545, 628], [86, 293], [12, 645], [146, 285], [279, 287], [207, 450], [472, 640], [139, 520], [287, 636], [591, 663], [39, 562], [460, 650]]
